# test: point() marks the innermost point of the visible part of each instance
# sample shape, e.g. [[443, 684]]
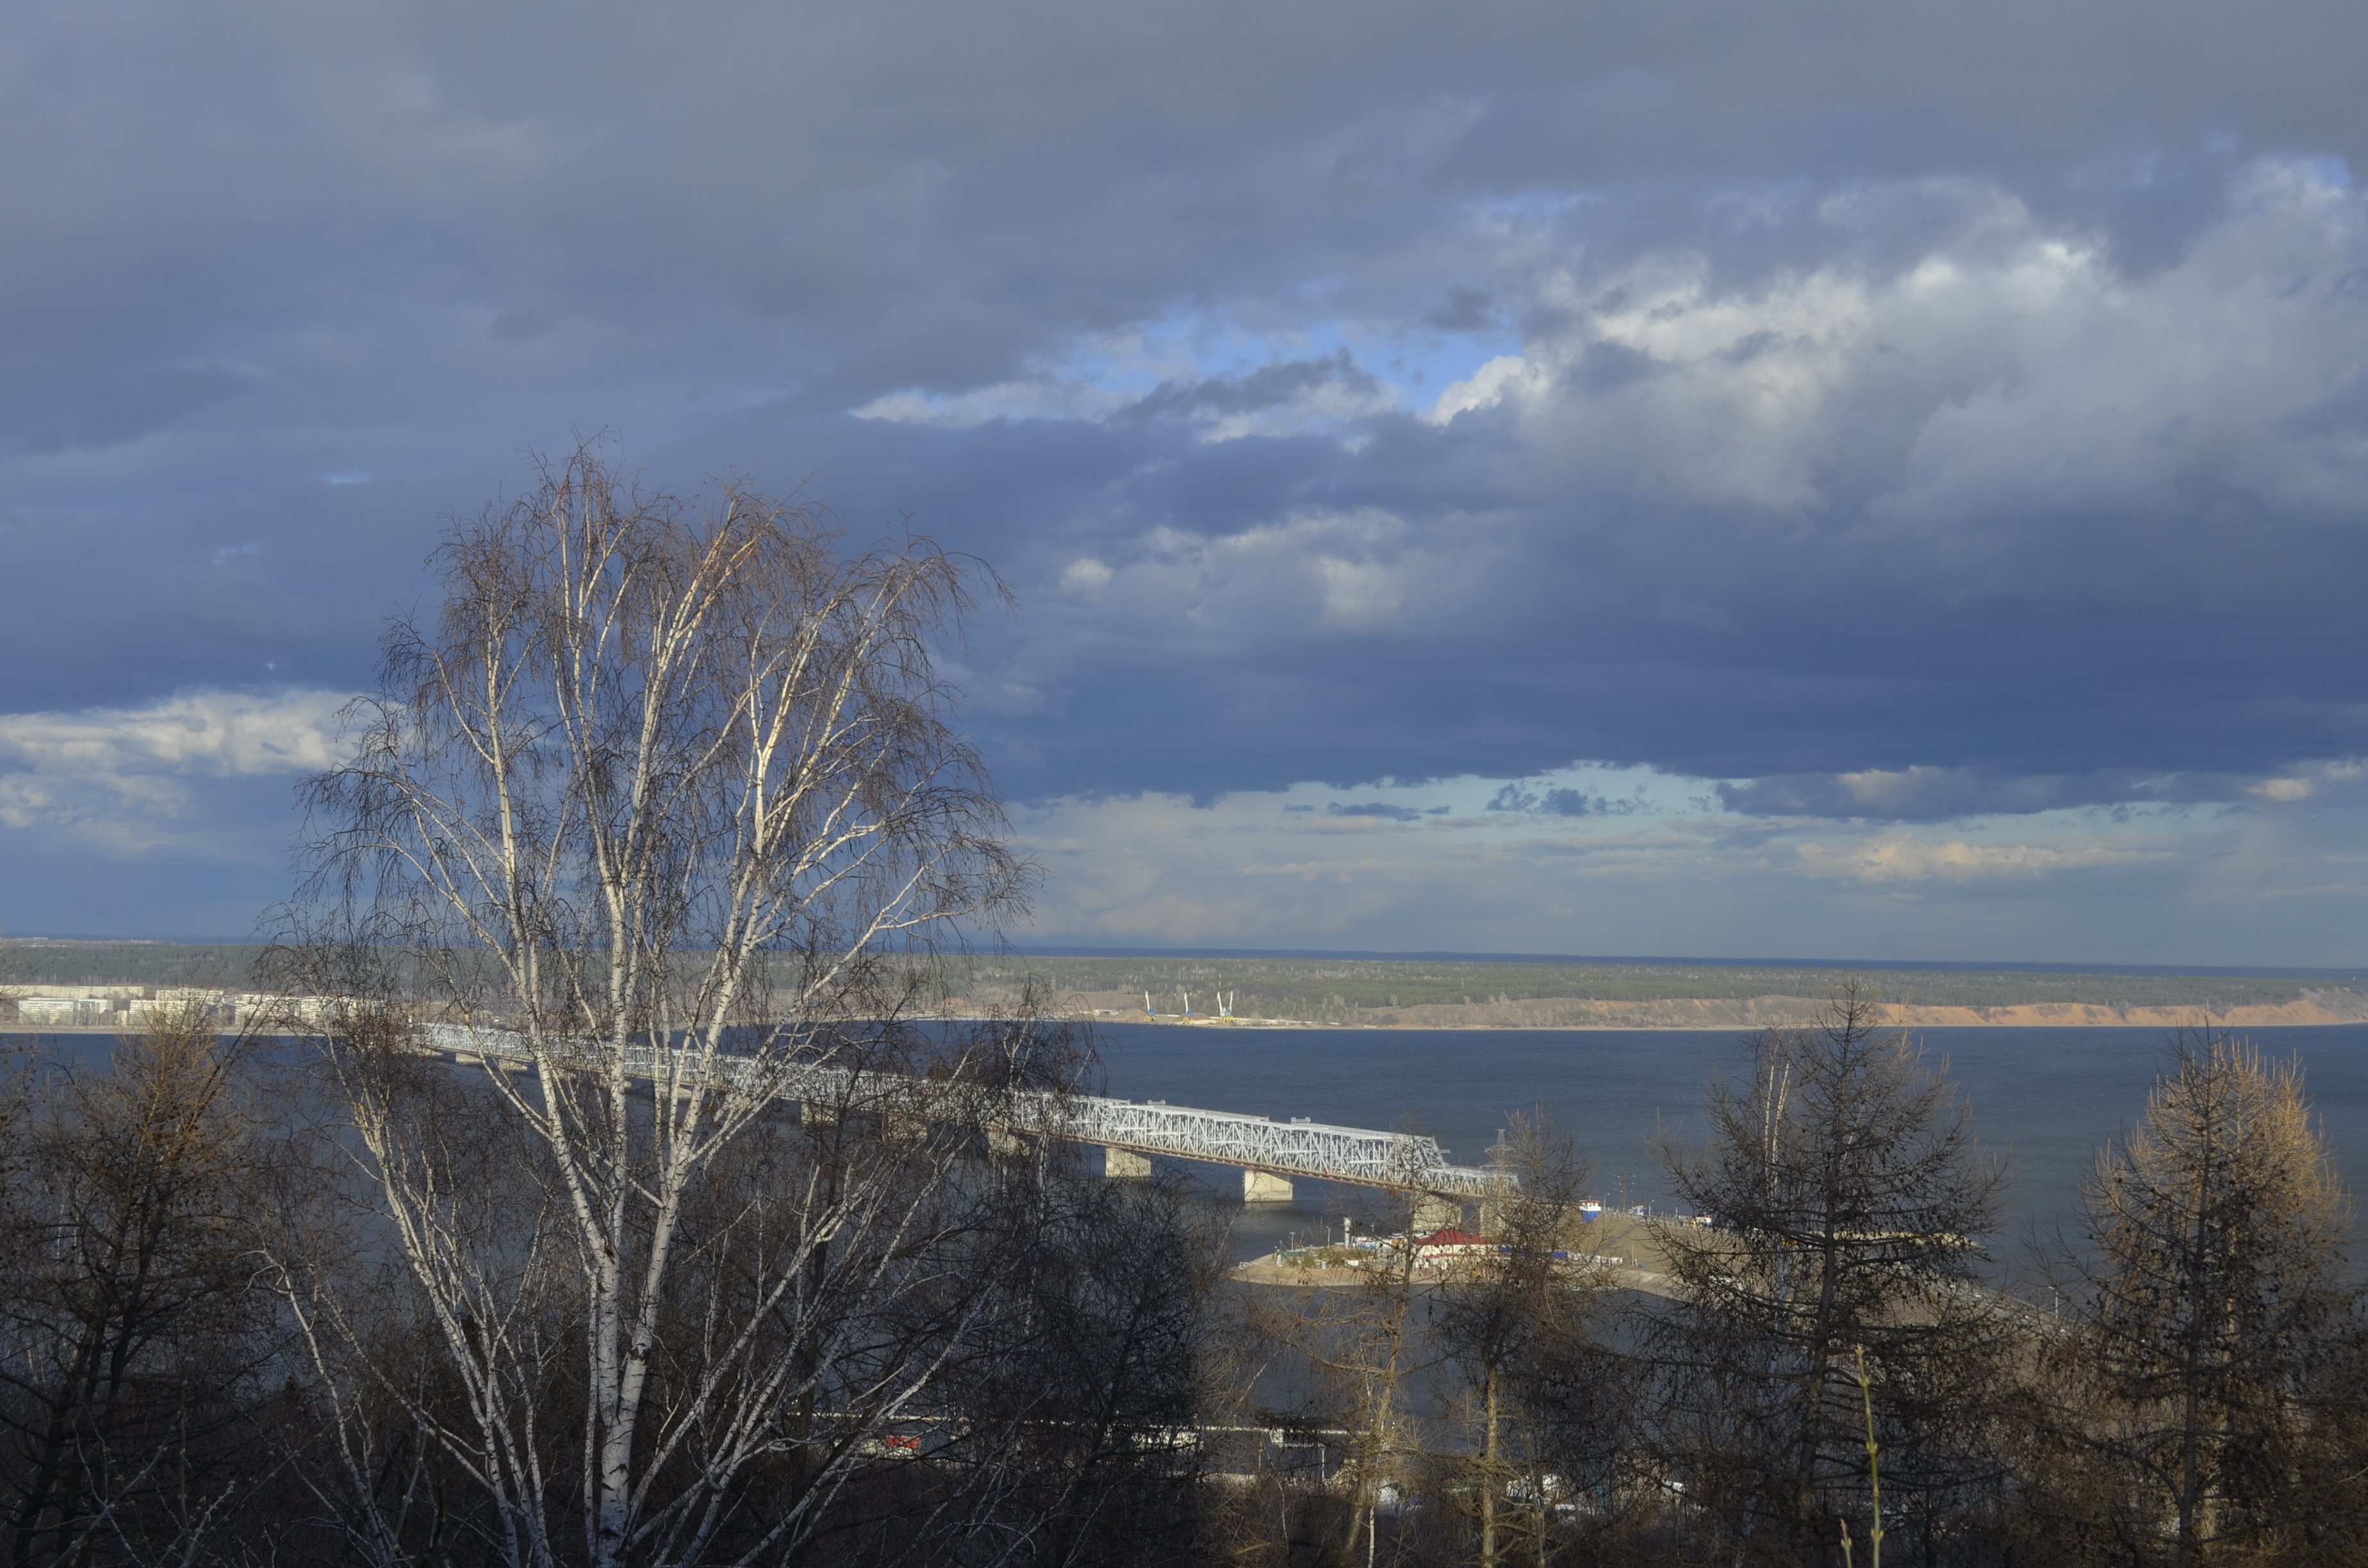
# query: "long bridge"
[[1270, 1153]]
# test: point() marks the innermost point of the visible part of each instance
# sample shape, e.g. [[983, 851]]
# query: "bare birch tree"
[[669, 795]]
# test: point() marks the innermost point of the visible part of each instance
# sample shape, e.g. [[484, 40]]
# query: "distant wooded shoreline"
[[1317, 991]]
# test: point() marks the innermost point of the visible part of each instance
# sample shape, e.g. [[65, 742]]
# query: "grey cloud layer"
[[2000, 511], [1912, 412]]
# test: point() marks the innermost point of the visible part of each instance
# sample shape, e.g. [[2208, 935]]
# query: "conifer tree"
[[1848, 1203], [2217, 1308]]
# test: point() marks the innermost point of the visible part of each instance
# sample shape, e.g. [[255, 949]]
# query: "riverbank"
[[1579, 1014], [1273, 1272]]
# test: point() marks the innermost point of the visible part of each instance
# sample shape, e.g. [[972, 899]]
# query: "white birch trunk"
[[657, 781]]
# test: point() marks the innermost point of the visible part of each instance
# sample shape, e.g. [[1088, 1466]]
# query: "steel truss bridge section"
[[1355, 1155]]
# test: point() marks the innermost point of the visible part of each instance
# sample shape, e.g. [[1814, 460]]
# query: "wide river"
[[2044, 1100]]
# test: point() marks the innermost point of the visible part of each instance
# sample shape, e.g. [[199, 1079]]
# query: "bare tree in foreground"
[[1518, 1325], [1349, 1356], [1849, 1201], [663, 790], [137, 1358]]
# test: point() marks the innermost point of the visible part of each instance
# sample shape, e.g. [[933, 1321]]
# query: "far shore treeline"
[[1435, 992]]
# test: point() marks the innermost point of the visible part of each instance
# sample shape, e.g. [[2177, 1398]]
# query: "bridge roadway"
[[1268, 1153]]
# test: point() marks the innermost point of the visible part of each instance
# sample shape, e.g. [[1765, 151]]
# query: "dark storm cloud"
[[1935, 794], [124, 408], [1965, 396], [1563, 802], [1266, 388], [1380, 808]]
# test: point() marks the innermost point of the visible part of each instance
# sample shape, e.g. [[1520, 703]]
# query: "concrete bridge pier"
[[1261, 1186], [1123, 1165], [1437, 1211], [1006, 1144]]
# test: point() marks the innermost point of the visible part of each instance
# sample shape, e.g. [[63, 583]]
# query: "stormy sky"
[[1837, 479]]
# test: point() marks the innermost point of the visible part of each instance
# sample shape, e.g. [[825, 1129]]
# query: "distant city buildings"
[[122, 1006]]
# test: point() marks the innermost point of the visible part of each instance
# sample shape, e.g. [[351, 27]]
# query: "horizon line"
[[1668, 961], [1357, 954]]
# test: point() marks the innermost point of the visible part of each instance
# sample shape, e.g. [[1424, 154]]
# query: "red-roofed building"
[[1453, 1244]]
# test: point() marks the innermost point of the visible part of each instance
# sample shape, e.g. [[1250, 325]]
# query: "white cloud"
[[2309, 779], [1359, 593], [1882, 790], [1322, 408], [1085, 575], [1507, 375], [1328, 572], [1902, 857], [221, 733], [1653, 865], [1047, 397], [2008, 366], [130, 782], [1314, 862]]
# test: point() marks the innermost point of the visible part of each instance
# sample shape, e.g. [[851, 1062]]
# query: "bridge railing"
[[1357, 1156]]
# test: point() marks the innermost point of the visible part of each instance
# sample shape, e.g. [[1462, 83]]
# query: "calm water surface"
[[2045, 1099]]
